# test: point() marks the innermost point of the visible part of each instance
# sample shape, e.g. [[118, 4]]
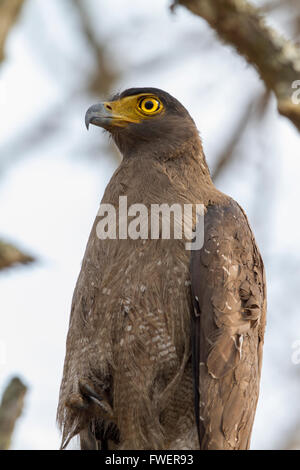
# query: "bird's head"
[[145, 120]]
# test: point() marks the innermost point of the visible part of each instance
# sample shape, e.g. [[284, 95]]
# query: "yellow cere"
[[134, 108]]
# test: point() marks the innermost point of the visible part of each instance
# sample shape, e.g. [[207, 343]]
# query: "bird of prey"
[[164, 347]]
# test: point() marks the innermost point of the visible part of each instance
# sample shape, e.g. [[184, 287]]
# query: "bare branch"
[[10, 409], [276, 4], [276, 59], [228, 153], [254, 110], [100, 83], [9, 11], [104, 77], [10, 255]]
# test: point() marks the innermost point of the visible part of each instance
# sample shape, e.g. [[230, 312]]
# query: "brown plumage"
[[164, 345]]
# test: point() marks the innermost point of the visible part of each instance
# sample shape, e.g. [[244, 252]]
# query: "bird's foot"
[[89, 401]]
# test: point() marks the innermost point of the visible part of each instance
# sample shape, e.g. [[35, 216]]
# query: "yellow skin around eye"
[[132, 109]]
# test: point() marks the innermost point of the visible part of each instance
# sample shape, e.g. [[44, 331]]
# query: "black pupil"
[[149, 105]]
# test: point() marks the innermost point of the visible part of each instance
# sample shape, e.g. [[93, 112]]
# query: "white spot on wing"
[[226, 270], [241, 340]]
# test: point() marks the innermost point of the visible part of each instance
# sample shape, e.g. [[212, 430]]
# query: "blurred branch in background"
[[277, 60], [104, 77], [254, 111], [10, 255], [228, 152], [288, 7], [13, 397], [99, 82], [10, 410], [9, 12]]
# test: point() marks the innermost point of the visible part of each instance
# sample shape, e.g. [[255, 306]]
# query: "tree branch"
[[105, 75], [10, 409], [9, 11], [10, 255], [255, 110], [276, 59], [228, 152]]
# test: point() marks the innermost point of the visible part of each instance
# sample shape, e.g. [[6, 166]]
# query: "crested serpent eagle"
[[164, 347]]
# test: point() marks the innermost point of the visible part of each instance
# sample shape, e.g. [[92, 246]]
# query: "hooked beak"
[[112, 114], [100, 115]]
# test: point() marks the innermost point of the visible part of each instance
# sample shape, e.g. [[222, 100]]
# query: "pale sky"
[[49, 193]]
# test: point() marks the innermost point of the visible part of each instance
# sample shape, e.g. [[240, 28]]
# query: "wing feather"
[[228, 288]]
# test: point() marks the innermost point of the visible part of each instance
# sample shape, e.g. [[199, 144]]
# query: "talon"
[[104, 406], [99, 400], [87, 391]]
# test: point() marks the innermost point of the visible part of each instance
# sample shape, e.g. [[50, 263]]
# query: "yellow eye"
[[149, 105]]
